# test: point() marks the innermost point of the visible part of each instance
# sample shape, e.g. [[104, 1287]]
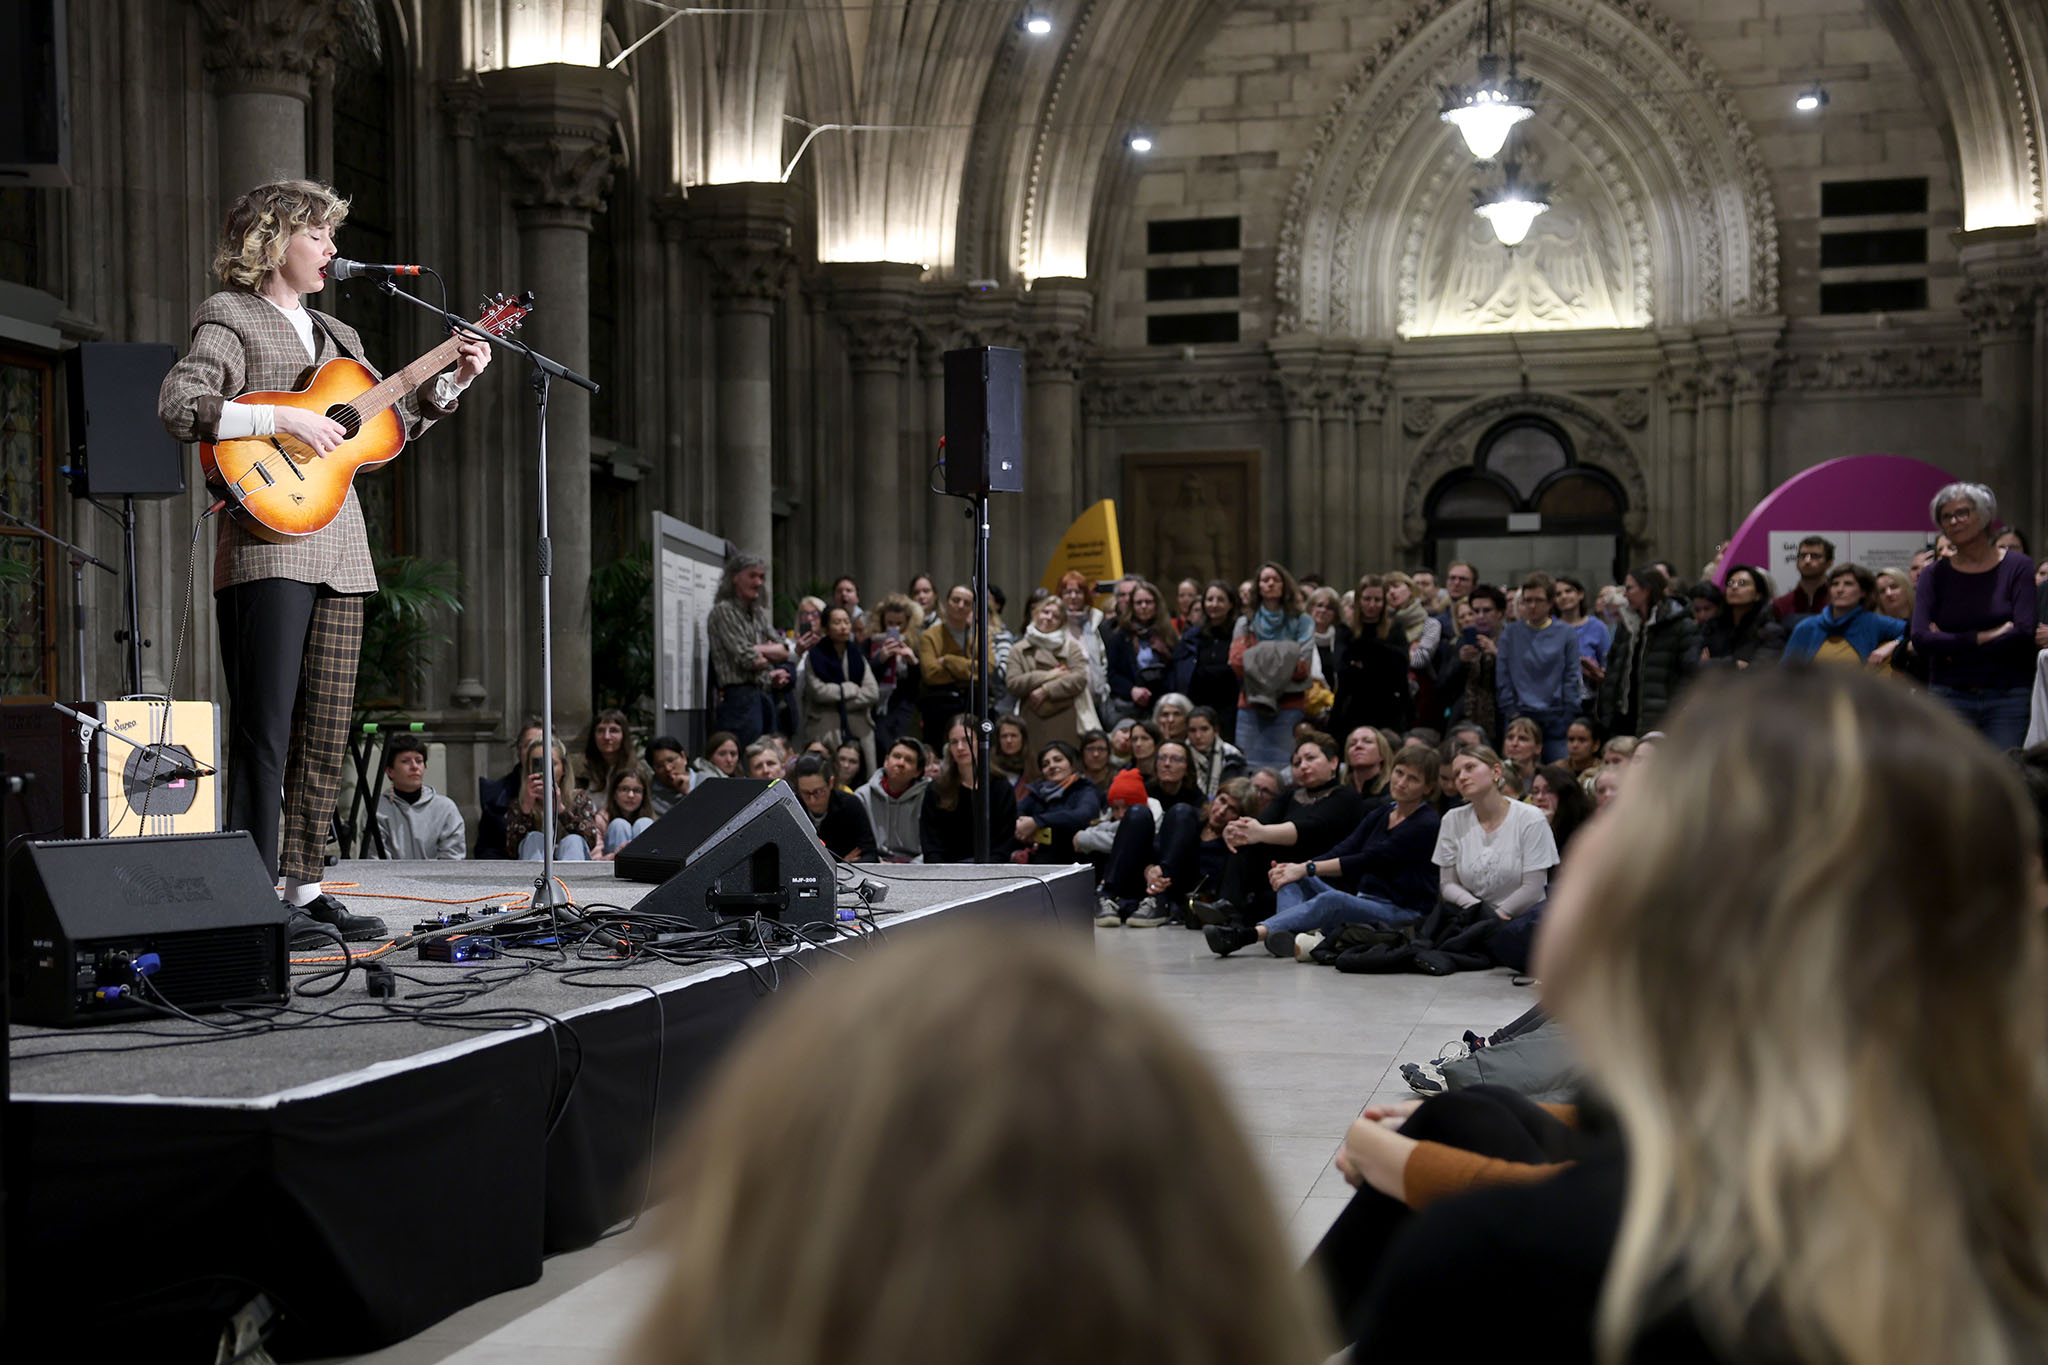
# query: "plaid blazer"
[[242, 344]]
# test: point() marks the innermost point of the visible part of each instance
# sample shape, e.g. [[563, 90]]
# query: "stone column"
[[1716, 386], [2004, 272], [1056, 322], [554, 125], [873, 301], [744, 231], [1300, 539], [1376, 495], [1683, 503], [1750, 440], [1337, 558], [462, 106], [263, 56]]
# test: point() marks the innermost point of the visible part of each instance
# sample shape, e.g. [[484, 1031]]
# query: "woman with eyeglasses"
[[1974, 620]]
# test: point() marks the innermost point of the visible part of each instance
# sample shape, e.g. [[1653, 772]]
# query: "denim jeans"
[[619, 833], [1315, 907], [570, 848], [2000, 715], [746, 711], [1554, 724], [1267, 739]]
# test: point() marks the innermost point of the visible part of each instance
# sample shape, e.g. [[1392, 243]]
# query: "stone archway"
[[1596, 441]]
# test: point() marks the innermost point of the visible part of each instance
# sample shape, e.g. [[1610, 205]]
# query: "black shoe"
[[353, 928], [1280, 945], [1225, 939], [303, 933], [1214, 912]]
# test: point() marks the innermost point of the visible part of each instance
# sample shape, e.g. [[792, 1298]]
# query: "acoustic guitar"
[[282, 488]]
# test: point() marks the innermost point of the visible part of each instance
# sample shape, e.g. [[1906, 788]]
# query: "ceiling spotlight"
[[1811, 98], [1140, 143], [1037, 25], [1512, 207]]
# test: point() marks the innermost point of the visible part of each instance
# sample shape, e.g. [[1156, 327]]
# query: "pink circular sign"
[[1872, 507]]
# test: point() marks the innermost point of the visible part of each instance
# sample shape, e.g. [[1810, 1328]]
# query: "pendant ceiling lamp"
[[1513, 206], [1486, 111]]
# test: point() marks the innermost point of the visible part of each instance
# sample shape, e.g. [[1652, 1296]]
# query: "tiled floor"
[[1301, 1050]]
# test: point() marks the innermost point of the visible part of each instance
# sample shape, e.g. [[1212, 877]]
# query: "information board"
[[687, 566]]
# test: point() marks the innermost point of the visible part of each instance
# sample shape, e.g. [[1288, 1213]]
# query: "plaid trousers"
[[319, 743]]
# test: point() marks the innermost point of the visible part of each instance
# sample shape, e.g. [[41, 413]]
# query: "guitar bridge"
[[240, 493]]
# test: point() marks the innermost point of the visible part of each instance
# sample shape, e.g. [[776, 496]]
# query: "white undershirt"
[[238, 420]]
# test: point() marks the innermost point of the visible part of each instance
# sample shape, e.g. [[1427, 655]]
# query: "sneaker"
[[1225, 939], [1280, 945], [1424, 1078], [1150, 914], [303, 933], [1452, 1052], [1473, 1042], [1107, 915], [352, 927], [1214, 912], [1305, 945]]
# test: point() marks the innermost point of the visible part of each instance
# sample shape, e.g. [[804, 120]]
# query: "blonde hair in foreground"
[[1826, 1058], [260, 225], [971, 1147]]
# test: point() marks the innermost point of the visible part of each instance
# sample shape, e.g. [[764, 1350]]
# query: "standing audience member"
[[1471, 680], [1052, 810], [1973, 619], [945, 656], [1652, 659], [1595, 639], [946, 820], [1048, 675], [846, 593], [1892, 1215], [414, 821], [1216, 759], [626, 811], [1187, 602], [1894, 598], [1084, 623], [1814, 557], [1494, 855], [1331, 633], [670, 767], [1201, 663], [839, 819], [1539, 673], [1272, 651], [750, 661], [1747, 631], [894, 797], [1846, 631], [925, 595], [840, 690], [579, 819], [1371, 681], [1138, 652], [892, 651]]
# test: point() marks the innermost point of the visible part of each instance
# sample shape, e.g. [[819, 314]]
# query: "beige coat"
[[1062, 714], [821, 708]]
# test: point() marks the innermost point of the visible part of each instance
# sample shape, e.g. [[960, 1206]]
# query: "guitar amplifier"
[[131, 791]]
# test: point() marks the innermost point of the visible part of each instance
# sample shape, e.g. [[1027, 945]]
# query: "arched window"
[[1525, 502]]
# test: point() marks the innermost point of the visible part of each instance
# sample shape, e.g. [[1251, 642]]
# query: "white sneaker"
[[1107, 916], [1304, 944]]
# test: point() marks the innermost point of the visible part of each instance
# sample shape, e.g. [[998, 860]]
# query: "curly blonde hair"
[[261, 223]]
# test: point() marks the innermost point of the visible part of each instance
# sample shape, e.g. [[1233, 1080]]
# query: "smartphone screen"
[[1469, 635]]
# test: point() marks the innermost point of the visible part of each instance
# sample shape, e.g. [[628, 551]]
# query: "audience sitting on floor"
[[1054, 808], [668, 766], [1564, 802], [894, 797], [946, 817], [413, 820], [579, 818], [1310, 817], [1011, 760], [840, 818], [627, 813], [763, 759], [606, 751], [721, 757], [1494, 855]]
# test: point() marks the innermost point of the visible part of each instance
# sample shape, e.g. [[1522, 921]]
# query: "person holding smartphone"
[[579, 819]]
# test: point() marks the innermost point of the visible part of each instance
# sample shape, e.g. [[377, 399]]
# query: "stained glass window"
[[27, 653]]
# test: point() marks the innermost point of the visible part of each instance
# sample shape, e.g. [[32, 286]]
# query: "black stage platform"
[[373, 1170]]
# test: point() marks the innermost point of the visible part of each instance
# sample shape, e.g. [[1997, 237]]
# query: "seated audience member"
[[1846, 630], [496, 795], [1607, 784], [892, 652], [1048, 676], [1747, 630], [1144, 739], [1126, 793], [1974, 619], [1652, 660], [1055, 808], [1052, 1089], [1120, 743], [1216, 759], [1170, 714], [1173, 777], [1097, 764], [894, 797], [1617, 752], [1494, 855], [626, 812], [579, 819], [1371, 679], [1011, 760], [1378, 874], [1701, 1220], [1522, 747], [1161, 832], [1369, 761], [1313, 815], [840, 691], [670, 767], [1582, 745], [946, 819], [721, 757], [764, 760], [605, 753], [1556, 792], [1539, 673], [839, 818], [1201, 664], [849, 767], [413, 820], [1270, 783]]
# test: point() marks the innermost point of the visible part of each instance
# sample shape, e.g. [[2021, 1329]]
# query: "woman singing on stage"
[[291, 614]]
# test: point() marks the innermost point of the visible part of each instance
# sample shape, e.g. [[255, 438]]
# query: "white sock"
[[301, 894]]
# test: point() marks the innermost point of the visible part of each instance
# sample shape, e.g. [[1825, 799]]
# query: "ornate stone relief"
[[1999, 309], [1632, 407], [1948, 369], [1599, 443], [1418, 415], [562, 168], [254, 41], [1182, 395]]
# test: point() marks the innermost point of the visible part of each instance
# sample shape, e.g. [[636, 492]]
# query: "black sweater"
[[947, 836], [1391, 864]]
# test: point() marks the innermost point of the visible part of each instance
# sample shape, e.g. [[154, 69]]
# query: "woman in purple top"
[[1973, 618]]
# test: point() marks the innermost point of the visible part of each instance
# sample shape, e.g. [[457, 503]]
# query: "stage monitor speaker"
[[985, 420], [732, 849], [85, 913], [130, 792], [35, 108], [120, 449]]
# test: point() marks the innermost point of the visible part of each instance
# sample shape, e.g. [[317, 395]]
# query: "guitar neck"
[[397, 386]]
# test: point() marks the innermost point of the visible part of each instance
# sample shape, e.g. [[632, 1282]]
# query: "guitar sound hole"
[[347, 416]]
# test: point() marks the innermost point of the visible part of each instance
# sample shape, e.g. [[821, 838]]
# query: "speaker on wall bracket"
[[732, 849]]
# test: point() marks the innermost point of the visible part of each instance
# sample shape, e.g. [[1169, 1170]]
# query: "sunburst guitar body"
[[282, 489]]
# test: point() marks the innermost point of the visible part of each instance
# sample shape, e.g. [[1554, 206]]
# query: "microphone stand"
[[79, 559], [545, 893], [984, 724]]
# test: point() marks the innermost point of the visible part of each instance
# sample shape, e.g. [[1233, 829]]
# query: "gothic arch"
[[1597, 441], [1685, 163]]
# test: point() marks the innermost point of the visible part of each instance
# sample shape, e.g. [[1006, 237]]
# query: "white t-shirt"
[[1491, 866]]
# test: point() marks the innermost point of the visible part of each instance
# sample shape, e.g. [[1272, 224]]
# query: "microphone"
[[341, 268]]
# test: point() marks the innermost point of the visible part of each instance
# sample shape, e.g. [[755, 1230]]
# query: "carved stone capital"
[[1999, 309], [1949, 369], [744, 231], [1054, 352], [1182, 395], [1302, 392], [276, 46], [462, 105], [554, 127], [1367, 396], [877, 341], [747, 273]]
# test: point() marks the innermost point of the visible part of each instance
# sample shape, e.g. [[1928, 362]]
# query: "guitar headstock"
[[501, 316]]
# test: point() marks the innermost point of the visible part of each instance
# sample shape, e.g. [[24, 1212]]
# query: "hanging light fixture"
[[1512, 207], [1485, 111]]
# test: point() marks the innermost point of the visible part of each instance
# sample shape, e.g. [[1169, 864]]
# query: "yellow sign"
[[1091, 546]]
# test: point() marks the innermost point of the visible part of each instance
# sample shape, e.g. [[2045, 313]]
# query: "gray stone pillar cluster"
[[2005, 271], [1055, 321], [1341, 496], [263, 56], [553, 125], [872, 300]]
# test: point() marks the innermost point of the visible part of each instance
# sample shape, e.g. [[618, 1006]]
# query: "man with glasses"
[[1816, 556]]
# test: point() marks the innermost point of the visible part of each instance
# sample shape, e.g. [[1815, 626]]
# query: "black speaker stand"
[[984, 722]]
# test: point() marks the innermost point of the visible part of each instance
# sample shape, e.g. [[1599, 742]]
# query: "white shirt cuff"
[[447, 388], [238, 420]]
